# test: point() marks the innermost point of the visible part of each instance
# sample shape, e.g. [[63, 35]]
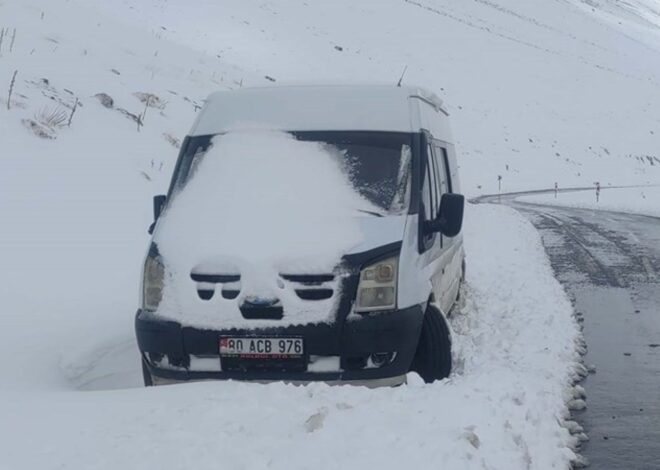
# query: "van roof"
[[316, 108]]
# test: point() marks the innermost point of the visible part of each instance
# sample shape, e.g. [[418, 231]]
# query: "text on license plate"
[[261, 348]]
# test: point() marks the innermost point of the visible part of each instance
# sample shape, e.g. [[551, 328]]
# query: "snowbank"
[[639, 200], [502, 408]]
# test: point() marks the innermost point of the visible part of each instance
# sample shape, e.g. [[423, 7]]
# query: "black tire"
[[433, 357], [146, 375]]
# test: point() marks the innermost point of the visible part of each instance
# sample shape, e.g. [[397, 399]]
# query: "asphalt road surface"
[[609, 264]]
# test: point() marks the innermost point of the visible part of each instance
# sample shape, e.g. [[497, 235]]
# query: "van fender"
[[432, 302], [415, 286]]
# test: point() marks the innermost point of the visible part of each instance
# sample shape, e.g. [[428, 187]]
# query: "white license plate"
[[261, 348]]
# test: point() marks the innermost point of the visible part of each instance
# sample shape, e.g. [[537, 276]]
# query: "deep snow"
[[514, 347], [538, 92]]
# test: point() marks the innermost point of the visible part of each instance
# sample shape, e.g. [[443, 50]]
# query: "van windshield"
[[378, 164]]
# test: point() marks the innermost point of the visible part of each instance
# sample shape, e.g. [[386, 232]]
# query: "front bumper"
[[173, 352]]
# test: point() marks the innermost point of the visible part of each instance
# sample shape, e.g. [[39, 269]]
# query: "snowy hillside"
[[539, 91], [630, 17], [103, 93]]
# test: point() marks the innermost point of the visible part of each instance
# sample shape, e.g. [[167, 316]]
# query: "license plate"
[[261, 348]]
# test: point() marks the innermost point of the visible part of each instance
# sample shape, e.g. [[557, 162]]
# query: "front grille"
[[309, 279], [312, 286], [215, 278], [314, 294], [308, 287], [230, 294], [205, 294], [206, 287], [252, 312]]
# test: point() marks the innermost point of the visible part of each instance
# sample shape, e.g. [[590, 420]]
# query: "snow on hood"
[[259, 204]]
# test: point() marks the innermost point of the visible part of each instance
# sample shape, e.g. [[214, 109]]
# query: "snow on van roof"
[[314, 107]]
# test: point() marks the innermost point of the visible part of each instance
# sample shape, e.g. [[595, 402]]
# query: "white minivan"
[[309, 233]]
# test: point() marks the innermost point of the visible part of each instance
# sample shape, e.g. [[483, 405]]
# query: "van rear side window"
[[442, 160], [445, 160]]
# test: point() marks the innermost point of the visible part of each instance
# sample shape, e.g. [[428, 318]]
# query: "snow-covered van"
[[309, 233]]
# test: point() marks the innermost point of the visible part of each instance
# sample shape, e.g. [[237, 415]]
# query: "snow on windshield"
[[245, 212]]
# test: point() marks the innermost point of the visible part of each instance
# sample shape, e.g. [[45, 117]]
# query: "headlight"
[[378, 286], [152, 283]]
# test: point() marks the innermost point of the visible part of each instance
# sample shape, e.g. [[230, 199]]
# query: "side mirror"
[[450, 216], [159, 203]]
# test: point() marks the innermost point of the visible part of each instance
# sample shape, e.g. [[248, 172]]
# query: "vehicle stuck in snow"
[[309, 233]]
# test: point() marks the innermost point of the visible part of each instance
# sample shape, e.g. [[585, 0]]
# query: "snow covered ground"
[[502, 408], [641, 200], [538, 92]]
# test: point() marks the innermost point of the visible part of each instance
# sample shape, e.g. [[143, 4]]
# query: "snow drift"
[[503, 407]]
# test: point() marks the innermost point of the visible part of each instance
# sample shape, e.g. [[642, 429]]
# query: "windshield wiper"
[[376, 214]]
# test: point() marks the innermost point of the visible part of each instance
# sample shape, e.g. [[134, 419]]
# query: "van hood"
[[213, 289], [379, 231], [374, 232]]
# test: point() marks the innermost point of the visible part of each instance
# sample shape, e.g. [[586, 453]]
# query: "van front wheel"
[[433, 357]]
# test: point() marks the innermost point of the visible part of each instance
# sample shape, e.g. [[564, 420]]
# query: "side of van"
[[379, 312]]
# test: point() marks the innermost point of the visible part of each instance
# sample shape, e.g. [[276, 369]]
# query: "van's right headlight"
[[152, 283], [378, 286]]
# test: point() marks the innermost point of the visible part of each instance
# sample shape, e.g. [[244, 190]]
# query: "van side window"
[[427, 191], [439, 179], [445, 159], [435, 193], [189, 158], [443, 163]]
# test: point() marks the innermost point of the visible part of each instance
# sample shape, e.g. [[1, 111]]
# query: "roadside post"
[[499, 186], [597, 191], [556, 189]]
